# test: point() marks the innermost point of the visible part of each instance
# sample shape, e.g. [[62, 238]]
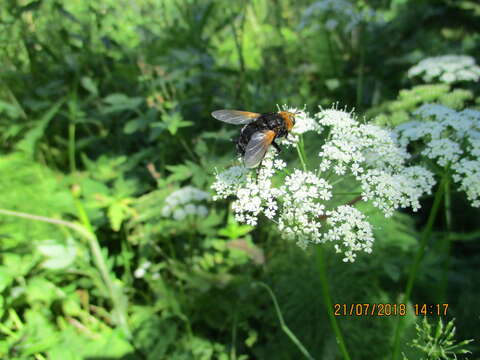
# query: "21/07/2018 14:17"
[[386, 309]]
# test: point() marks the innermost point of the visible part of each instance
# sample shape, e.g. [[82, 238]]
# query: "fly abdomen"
[[245, 136]]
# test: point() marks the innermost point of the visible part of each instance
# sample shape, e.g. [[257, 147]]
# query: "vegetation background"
[[105, 111]]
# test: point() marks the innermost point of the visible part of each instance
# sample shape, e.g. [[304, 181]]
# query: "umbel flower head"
[[342, 15], [447, 69], [450, 140], [185, 202], [308, 205]]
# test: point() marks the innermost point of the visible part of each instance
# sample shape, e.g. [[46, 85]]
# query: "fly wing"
[[235, 116], [257, 147]]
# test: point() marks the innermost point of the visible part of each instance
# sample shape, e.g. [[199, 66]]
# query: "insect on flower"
[[259, 132]]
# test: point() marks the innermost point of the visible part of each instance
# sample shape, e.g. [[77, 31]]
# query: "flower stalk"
[[446, 240], [416, 263], [283, 325], [327, 299]]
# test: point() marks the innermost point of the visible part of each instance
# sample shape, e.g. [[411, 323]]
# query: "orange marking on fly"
[[249, 114], [269, 137], [289, 119]]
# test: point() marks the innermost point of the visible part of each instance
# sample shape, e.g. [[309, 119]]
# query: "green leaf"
[[154, 336], [41, 290], [174, 121], [77, 346], [60, 255], [29, 141], [5, 278], [9, 110], [121, 102], [179, 173], [89, 85], [234, 230], [116, 215], [134, 125]]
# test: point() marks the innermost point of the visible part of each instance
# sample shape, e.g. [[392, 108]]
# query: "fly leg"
[[275, 145]]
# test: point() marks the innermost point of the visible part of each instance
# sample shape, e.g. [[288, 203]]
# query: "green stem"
[[301, 152], [327, 299], [283, 325], [233, 350], [114, 291], [446, 241], [331, 53], [187, 148], [323, 274], [416, 263], [360, 70], [71, 147]]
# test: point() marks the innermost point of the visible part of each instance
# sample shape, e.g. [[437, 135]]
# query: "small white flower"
[[389, 192], [341, 14], [303, 123], [300, 204], [448, 69], [181, 203], [350, 227], [451, 139], [468, 175], [139, 273], [142, 270], [228, 181], [445, 151]]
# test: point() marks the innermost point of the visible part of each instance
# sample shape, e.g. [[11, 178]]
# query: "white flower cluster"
[[350, 226], [303, 203], [371, 155], [255, 194], [344, 13], [447, 69], [452, 140], [184, 202], [304, 122], [304, 196], [389, 191]]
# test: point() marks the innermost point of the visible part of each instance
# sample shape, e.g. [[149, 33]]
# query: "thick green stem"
[[327, 299], [446, 242], [283, 325], [323, 273], [416, 263]]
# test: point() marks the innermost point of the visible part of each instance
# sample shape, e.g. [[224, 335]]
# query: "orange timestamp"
[[386, 309], [367, 309]]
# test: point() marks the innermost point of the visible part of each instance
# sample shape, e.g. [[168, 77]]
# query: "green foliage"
[[105, 112], [438, 342], [395, 112]]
